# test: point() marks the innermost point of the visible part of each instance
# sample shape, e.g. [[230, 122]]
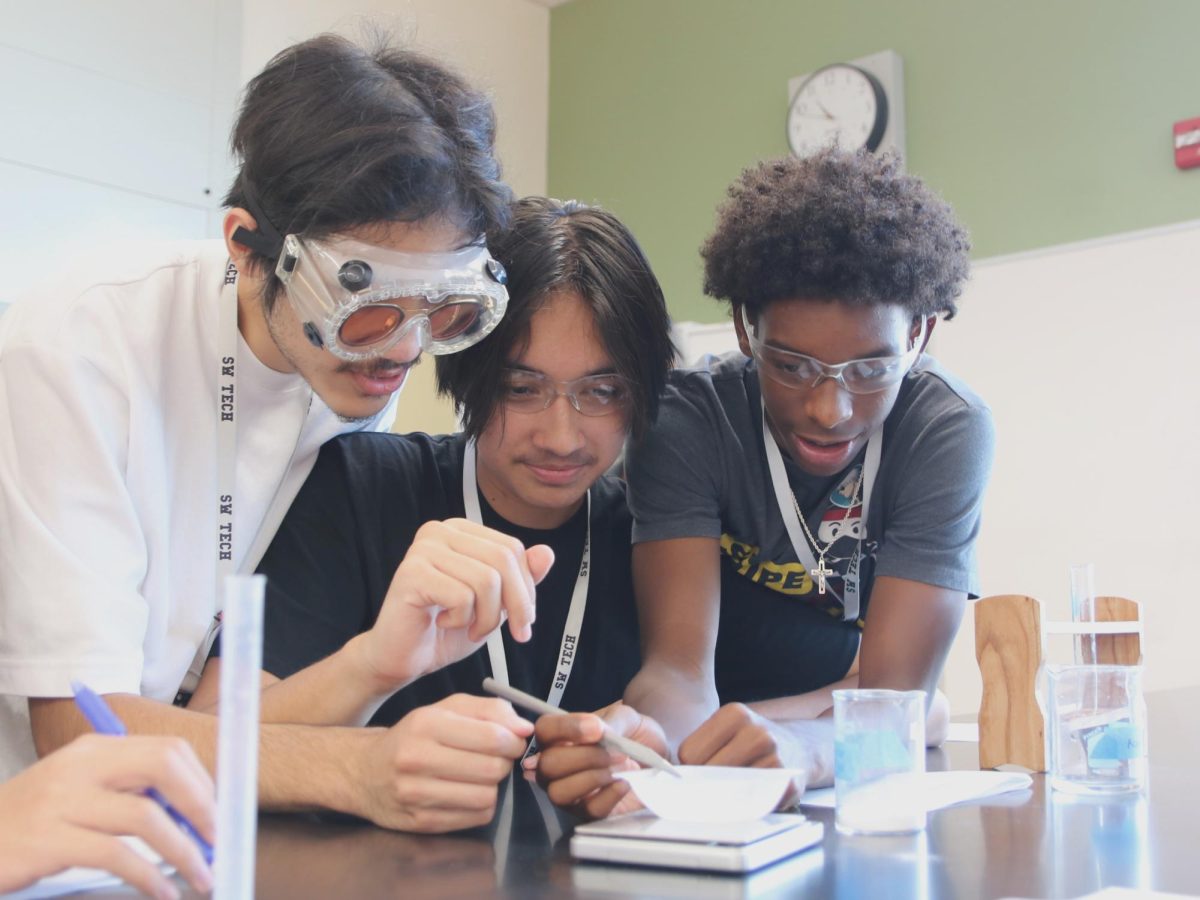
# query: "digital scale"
[[643, 839]]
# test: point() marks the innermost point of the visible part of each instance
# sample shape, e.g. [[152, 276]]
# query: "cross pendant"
[[821, 573]]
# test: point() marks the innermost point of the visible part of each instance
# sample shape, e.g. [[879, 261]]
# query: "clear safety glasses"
[[358, 300], [593, 395], [858, 376]]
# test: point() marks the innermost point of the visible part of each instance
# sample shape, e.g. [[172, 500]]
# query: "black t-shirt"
[[770, 646], [333, 558]]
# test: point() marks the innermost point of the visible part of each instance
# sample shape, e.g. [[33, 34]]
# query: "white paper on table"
[[710, 793], [81, 878], [936, 790]]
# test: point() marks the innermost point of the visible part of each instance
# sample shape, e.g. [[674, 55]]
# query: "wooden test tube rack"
[[1010, 645]]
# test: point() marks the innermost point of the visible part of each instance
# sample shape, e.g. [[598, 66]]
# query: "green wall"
[[1041, 121]]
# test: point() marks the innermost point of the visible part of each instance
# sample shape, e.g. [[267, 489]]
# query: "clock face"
[[839, 104]]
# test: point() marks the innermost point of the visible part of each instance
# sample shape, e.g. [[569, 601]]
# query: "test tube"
[[237, 738], [1083, 609]]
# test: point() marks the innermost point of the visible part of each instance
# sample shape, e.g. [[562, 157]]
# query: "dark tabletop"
[[1034, 843]]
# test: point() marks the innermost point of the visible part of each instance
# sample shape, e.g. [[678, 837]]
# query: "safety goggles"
[[593, 395], [358, 300], [858, 376]]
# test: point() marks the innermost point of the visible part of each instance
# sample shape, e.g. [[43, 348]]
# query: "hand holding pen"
[[66, 810], [101, 717], [105, 721], [576, 753], [638, 752]]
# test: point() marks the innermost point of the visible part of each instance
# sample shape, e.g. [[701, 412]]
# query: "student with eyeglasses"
[[547, 401], [805, 511], [159, 414]]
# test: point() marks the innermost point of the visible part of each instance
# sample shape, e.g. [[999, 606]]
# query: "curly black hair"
[[845, 226]]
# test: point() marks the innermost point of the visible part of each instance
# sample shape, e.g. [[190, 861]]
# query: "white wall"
[[502, 46], [1087, 355], [113, 119]]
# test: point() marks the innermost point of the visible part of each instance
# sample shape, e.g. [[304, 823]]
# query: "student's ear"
[[237, 218], [739, 325]]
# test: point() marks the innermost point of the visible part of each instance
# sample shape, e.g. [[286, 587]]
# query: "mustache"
[[375, 368]]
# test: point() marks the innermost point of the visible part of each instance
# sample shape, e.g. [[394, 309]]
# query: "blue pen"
[[105, 721]]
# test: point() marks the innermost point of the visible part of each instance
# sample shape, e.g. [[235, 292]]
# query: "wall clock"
[[856, 104]]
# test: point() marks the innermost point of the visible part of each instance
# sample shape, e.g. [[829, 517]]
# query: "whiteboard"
[[1088, 356]]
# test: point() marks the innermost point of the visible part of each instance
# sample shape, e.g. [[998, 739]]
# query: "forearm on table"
[[809, 705], [819, 704], [937, 720], [338, 690], [906, 641], [813, 750], [299, 766], [679, 700], [937, 708]]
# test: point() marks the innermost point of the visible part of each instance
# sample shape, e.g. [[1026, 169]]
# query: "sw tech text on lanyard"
[[570, 638], [226, 425], [227, 347]]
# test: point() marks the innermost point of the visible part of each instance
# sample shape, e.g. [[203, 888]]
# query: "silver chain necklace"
[[821, 572]]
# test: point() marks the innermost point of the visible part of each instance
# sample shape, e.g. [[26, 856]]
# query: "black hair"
[[842, 226], [552, 246], [332, 135]]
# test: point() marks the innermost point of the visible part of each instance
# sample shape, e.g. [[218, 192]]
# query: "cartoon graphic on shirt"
[[840, 530], [846, 492], [836, 523]]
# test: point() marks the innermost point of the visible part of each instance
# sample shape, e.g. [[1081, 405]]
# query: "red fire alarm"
[[1187, 143]]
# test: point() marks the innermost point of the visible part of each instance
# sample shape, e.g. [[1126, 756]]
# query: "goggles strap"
[[266, 239]]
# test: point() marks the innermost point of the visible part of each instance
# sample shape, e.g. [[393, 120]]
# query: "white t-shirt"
[[108, 476]]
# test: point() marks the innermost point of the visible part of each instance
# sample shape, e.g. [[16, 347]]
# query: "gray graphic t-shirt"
[[702, 472]]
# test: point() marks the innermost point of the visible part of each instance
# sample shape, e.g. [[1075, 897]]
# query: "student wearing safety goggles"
[[159, 418], [547, 401], [805, 510]]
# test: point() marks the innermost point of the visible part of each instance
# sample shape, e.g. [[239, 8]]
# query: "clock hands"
[[843, 101], [825, 114]]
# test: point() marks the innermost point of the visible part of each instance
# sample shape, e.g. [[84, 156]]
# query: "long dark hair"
[[551, 246], [332, 135]]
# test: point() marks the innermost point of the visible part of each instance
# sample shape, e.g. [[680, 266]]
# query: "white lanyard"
[[227, 347], [226, 411], [504, 823], [570, 639], [783, 496]]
